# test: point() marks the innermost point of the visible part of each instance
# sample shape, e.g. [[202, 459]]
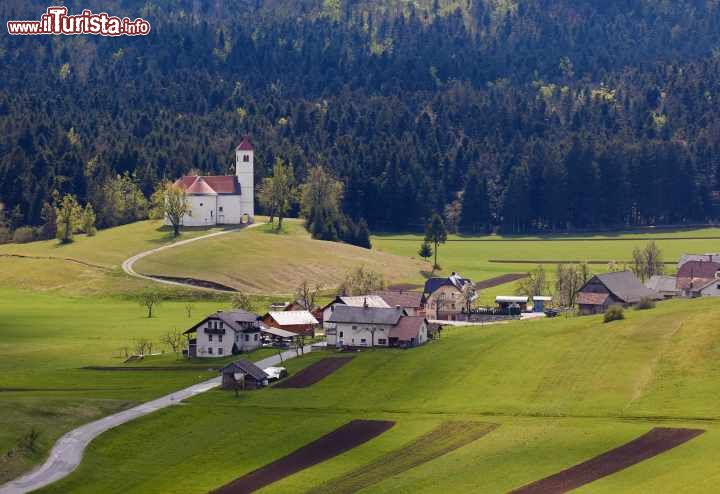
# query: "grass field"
[[261, 261], [561, 391], [87, 266], [471, 256], [47, 340]]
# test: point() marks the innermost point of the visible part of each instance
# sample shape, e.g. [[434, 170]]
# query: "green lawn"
[[561, 390], [471, 256], [47, 340]]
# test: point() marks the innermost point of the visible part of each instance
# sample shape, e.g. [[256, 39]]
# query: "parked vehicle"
[[276, 373]]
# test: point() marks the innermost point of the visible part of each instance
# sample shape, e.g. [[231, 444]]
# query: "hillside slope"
[[261, 261], [561, 390]]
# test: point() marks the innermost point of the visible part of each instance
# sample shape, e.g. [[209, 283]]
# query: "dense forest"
[[524, 115]]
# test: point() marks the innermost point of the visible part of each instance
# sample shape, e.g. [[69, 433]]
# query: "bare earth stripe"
[[314, 373], [445, 438], [499, 280], [342, 439], [67, 452], [651, 444]]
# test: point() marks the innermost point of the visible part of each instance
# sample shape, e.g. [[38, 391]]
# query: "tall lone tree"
[[320, 205], [68, 216], [278, 193], [436, 233], [170, 201]]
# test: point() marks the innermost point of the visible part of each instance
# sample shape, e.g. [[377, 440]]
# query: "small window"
[[341, 334], [210, 350], [220, 351], [220, 209], [221, 325], [220, 338], [201, 204], [256, 336], [209, 337], [382, 341], [246, 158], [362, 340], [247, 337], [354, 327]]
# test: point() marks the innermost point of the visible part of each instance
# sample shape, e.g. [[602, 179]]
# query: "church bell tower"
[[244, 171]]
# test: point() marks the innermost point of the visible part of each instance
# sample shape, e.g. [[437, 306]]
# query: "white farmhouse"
[[375, 327], [222, 199], [224, 333]]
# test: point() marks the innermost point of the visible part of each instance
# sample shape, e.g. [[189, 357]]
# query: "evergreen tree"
[[475, 212], [436, 234]]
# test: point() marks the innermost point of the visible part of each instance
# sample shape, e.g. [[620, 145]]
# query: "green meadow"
[[47, 340], [473, 256], [560, 391]]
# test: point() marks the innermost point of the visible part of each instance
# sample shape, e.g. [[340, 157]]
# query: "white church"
[[222, 199]]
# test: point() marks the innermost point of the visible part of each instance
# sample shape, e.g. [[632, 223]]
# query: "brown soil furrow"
[[313, 373], [499, 280], [658, 440], [342, 439], [445, 438]]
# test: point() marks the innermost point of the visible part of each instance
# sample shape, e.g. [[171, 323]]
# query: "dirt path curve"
[[68, 450], [127, 265]]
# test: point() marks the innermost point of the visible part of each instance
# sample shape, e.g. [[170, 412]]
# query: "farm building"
[[224, 333], [512, 304], [540, 303], [277, 336], [664, 285], [444, 297], [294, 321], [412, 302], [243, 374], [617, 288], [375, 326], [354, 301], [712, 257], [699, 278]]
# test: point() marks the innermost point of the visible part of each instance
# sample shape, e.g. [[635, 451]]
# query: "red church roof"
[[245, 145], [214, 184]]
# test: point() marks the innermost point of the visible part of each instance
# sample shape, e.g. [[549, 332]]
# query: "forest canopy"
[[540, 115]]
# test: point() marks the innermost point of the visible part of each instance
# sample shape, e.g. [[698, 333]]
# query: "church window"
[[201, 204], [246, 158], [220, 209]]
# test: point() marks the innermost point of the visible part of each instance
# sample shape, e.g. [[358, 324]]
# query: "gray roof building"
[[624, 286], [366, 315], [245, 367]]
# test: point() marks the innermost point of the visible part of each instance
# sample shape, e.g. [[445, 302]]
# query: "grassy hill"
[[259, 260], [89, 265], [561, 390]]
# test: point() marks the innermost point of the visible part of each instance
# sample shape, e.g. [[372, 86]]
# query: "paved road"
[[68, 450], [127, 265]]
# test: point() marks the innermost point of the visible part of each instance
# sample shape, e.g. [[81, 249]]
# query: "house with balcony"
[[224, 333]]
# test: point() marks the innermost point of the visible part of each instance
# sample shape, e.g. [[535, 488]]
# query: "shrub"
[[614, 313], [23, 235], [5, 235], [645, 304]]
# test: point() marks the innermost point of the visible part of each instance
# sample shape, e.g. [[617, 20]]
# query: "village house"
[[664, 285], [243, 374], [351, 301], [375, 327], [300, 322], [411, 301], [224, 333], [444, 298], [617, 288], [222, 199], [699, 278]]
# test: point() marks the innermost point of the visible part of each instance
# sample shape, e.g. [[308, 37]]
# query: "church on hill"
[[222, 199]]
